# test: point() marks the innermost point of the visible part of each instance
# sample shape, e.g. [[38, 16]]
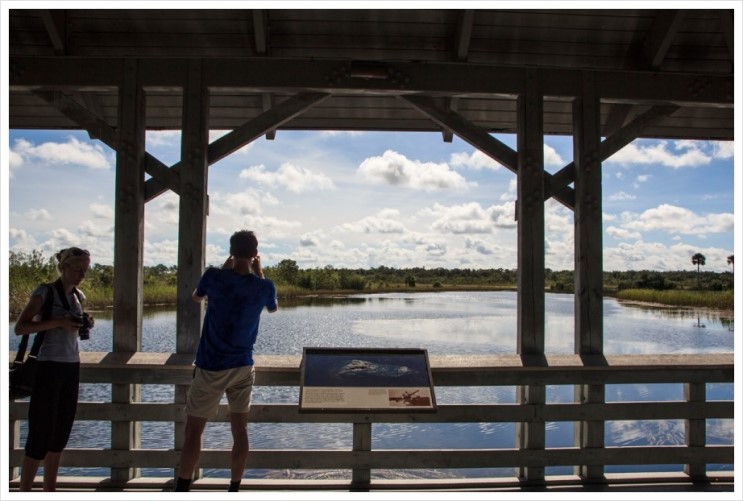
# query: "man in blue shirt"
[[237, 294]]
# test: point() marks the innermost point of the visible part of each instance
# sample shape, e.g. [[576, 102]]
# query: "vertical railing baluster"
[[361, 477], [14, 439], [695, 429]]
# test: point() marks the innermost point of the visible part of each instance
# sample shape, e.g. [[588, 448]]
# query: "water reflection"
[[443, 323], [702, 316]]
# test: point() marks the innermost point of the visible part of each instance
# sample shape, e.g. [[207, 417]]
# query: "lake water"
[[442, 323]]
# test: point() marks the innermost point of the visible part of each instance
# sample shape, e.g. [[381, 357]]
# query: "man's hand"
[[255, 266]]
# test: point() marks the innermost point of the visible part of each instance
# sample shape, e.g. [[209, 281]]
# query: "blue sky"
[[371, 199]]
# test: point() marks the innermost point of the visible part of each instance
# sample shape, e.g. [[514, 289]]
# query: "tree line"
[[26, 270]]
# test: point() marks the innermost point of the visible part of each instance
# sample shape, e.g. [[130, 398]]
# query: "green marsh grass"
[[719, 300]]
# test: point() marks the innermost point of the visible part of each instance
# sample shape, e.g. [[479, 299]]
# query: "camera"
[[84, 331]]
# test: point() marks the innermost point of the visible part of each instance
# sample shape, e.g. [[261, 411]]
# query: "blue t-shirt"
[[233, 312]]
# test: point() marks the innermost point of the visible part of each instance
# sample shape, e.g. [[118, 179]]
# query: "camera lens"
[[84, 331]]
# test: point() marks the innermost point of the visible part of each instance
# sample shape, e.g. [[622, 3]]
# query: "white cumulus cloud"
[[621, 233], [397, 170], [470, 218], [294, 178], [73, 152], [620, 196], [677, 155], [385, 221], [674, 219]]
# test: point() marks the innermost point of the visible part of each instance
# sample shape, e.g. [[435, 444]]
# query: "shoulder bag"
[[23, 372]]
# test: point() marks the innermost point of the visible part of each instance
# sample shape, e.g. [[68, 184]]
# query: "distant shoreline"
[[709, 300]]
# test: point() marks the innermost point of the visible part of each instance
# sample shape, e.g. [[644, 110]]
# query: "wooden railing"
[[693, 371]]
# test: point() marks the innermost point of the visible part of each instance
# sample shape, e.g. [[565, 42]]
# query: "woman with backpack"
[[56, 312]]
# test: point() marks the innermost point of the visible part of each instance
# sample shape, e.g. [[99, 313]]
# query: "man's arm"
[[196, 297]]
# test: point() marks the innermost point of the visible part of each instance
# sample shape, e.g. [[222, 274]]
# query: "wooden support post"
[[530, 211], [193, 209], [361, 477], [695, 429], [589, 296], [128, 252]]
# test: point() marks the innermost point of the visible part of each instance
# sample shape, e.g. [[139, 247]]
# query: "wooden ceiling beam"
[[464, 34], [480, 139], [654, 50], [621, 138], [267, 99], [435, 79], [239, 137], [260, 31], [55, 22], [98, 129], [462, 48], [726, 23], [664, 29], [448, 134]]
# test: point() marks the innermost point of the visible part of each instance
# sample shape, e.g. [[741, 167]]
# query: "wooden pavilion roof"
[[472, 62]]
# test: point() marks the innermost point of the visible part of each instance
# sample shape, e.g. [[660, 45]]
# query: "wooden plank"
[[446, 413], [655, 481], [399, 459], [453, 370]]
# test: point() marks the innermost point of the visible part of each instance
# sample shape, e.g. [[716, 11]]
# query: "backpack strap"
[[63, 295], [46, 314]]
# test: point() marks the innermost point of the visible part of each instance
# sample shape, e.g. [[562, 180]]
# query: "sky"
[[369, 199]]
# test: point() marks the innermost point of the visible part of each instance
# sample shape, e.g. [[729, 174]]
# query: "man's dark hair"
[[243, 244]]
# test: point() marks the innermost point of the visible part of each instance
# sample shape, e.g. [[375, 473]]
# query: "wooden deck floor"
[[625, 482]]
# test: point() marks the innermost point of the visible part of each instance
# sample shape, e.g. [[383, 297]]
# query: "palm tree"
[[699, 260], [731, 260]]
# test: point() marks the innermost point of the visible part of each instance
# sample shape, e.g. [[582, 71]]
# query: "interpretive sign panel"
[[366, 380]]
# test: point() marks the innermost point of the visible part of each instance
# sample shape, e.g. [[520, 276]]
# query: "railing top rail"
[[447, 370]]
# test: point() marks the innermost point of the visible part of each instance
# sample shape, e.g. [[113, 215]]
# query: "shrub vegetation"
[[680, 288]]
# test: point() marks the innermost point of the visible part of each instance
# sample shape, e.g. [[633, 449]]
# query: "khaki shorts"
[[208, 387]]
